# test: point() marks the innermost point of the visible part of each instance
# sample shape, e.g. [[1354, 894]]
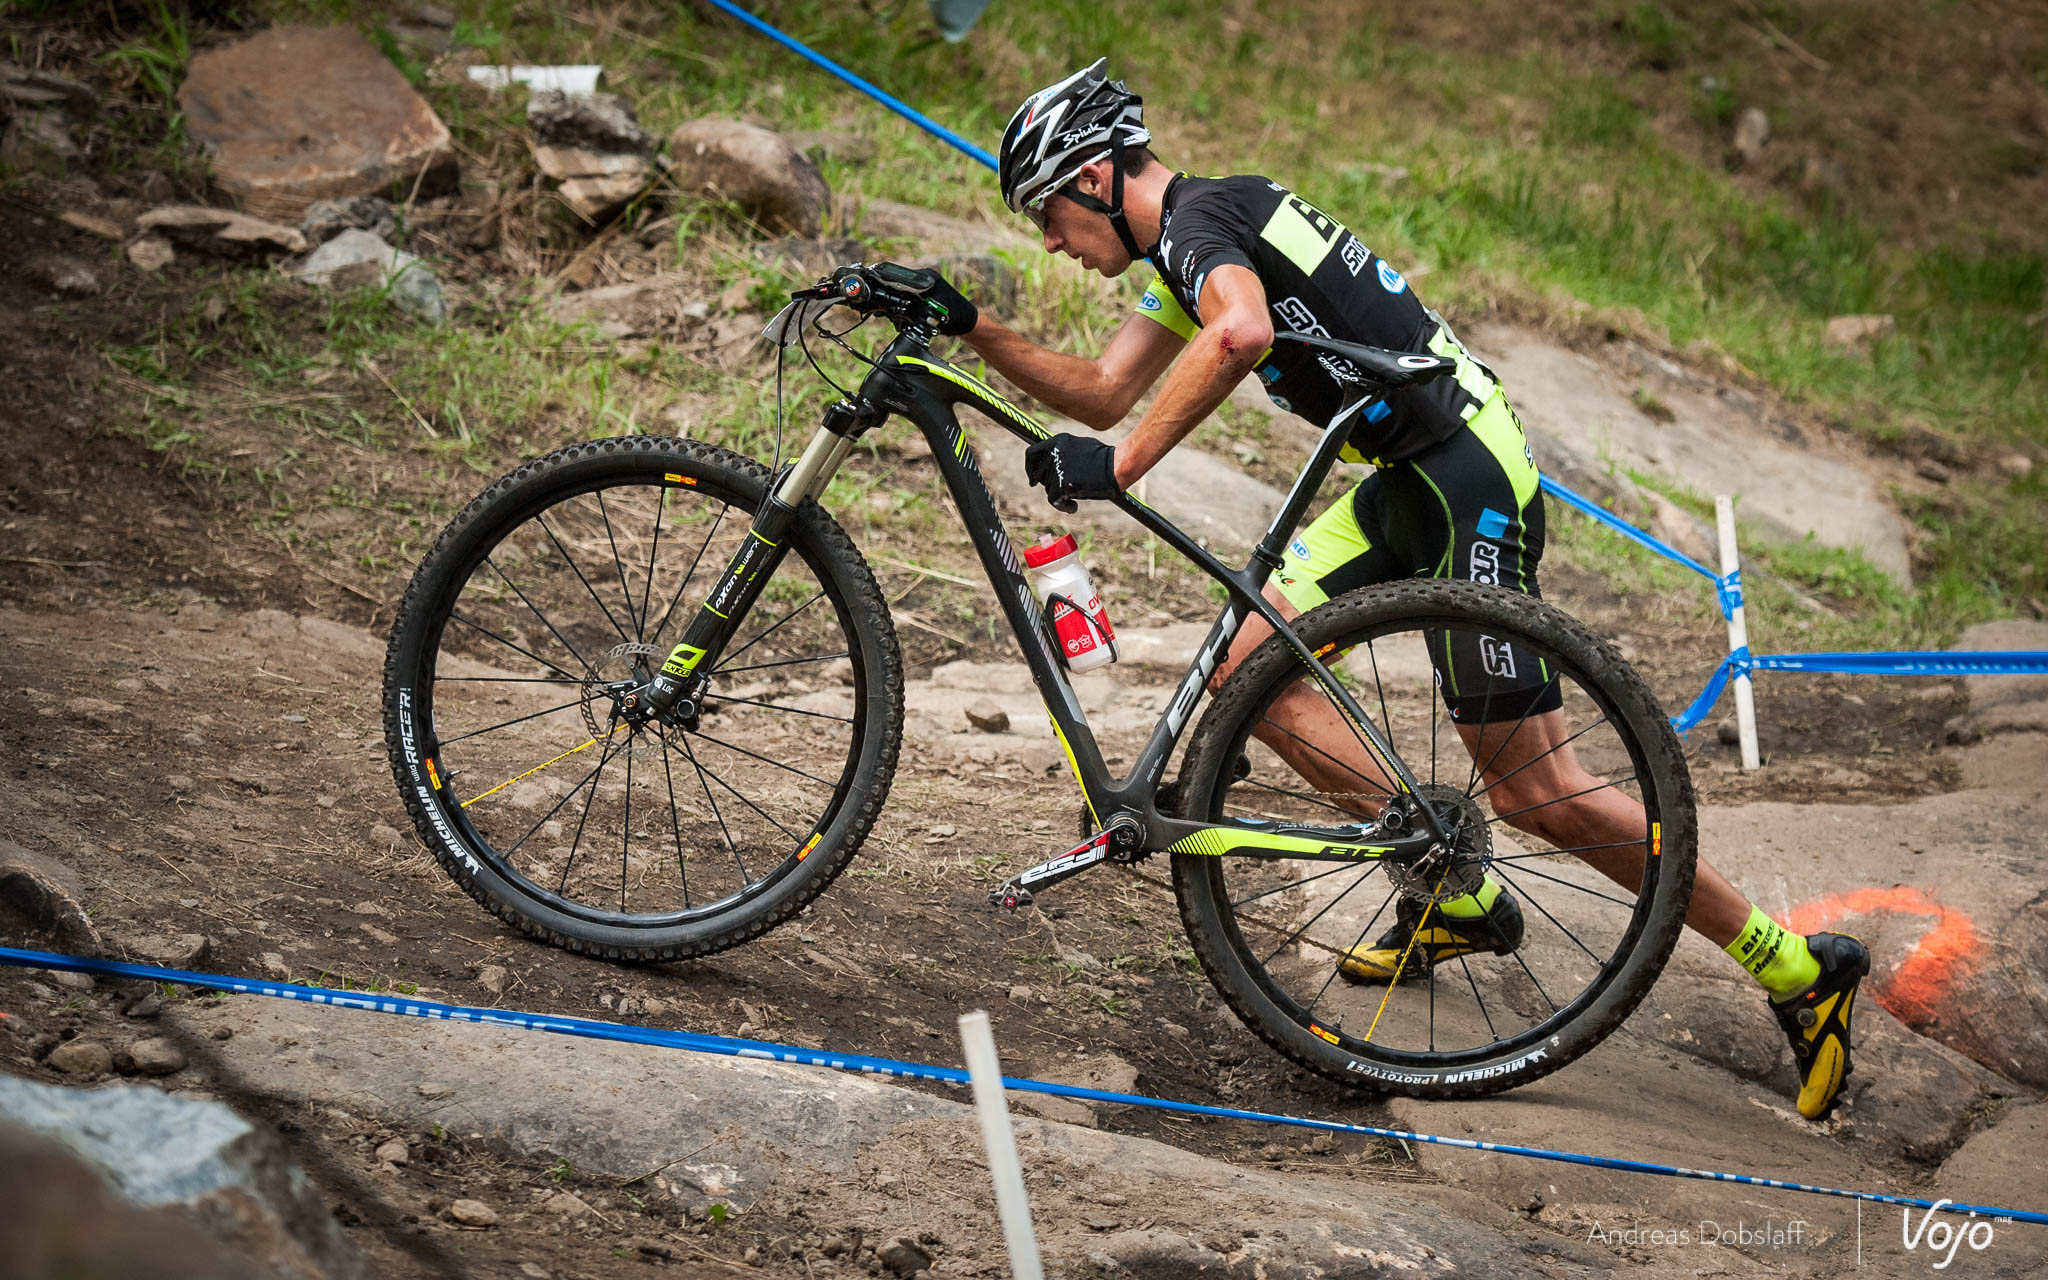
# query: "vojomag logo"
[[1944, 1237]]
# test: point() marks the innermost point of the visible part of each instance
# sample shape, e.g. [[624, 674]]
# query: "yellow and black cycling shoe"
[[1443, 938], [1816, 1021]]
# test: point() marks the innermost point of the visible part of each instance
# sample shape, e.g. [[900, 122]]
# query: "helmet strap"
[[1114, 207]]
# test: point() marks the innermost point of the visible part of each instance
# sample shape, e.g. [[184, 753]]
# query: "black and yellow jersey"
[[1319, 279]]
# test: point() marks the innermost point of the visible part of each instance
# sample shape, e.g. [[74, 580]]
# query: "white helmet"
[[1080, 120]]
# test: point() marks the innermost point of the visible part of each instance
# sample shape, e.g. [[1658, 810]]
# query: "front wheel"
[[1559, 783], [565, 584]]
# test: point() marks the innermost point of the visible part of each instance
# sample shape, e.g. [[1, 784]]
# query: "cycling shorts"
[[1468, 507]]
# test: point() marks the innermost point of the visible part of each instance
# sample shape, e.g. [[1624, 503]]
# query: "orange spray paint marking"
[[1918, 987]]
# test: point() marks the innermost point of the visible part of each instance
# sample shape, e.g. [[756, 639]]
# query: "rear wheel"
[[560, 587], [1548, 796]]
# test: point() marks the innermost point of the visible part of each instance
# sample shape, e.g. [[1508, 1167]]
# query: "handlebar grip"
[[904, 278], [1063, 504]]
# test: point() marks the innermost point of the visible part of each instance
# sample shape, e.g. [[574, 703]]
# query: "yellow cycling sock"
[[1774, 955], [1467, 906]]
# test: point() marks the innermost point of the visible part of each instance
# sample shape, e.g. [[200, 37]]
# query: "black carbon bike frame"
[[906, 379]]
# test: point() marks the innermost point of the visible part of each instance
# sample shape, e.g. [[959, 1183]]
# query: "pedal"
[[1018, 890], [1009, 894]]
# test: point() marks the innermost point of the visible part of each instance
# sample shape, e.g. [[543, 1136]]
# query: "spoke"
[[595, 779], [1577, 848], [1436, 705], [765, 634], [776, 706], [1481, 1000], [505, 680], [570, 560], [1503, 817], [1553, 919], [1526, 763], [555, 808], [1517, 729], [703, 780], [788, 662], [1380, 687], [1307, 797], [1370, 782], [675, 823], [1534, 980], [513, 647], [535, 610], [737, 794], [788, 768], [506, 724], [688, 574], [1292, 938], [1338, 967], [1485, 705], [1531, 871], [626, 828], [1267, 893], [653, 554], [619, 563], [1430, 975]]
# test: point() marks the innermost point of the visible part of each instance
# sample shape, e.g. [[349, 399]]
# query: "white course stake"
[[986, 1072], [1738, 635]]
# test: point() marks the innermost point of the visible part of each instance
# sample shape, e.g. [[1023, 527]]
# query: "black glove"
[[1070, 467], [947, 311]]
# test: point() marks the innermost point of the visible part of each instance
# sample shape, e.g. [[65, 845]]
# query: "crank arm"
[[1019, 889]]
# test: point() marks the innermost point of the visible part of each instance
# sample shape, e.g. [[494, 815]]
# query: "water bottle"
[[1079, 622]]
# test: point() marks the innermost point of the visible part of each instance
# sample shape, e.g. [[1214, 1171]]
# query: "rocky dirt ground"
[[190, 661], [190, 716]]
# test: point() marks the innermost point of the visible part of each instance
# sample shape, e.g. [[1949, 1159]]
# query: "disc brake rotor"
[[618, 669], [1451, 872]]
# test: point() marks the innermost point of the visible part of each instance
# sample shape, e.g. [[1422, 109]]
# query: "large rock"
[[354, 259], [764, 1136], [755, 168], [200, 1158], [296, 114], [1784, 491], [222, 233], [593, 146], [2004, 704], [1752, 136], [35, 87], [61, 1215]]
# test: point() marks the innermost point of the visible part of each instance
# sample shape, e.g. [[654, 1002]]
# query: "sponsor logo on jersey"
[[1498, 656], [1299, 548], [1355, 255], [1390, 279], [1485, 565], [1295, 314], [1150, 302], [1282, 403]]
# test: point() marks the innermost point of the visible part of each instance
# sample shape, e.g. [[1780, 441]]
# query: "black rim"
[[696, 789], [1451, 1000]]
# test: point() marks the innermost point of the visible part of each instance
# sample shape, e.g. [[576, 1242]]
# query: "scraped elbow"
[[1241, 342]]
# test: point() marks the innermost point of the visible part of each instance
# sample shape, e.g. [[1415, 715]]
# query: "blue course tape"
[[901, 108], [1612, 521], [770, 1052], [1964, 662]]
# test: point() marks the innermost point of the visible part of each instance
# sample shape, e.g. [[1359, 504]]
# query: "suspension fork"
[[751, 567]]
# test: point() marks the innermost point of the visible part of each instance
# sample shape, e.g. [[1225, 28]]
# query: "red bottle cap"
[[1044, 553]]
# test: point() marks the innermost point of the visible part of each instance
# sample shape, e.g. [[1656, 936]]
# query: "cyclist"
[[1454, 494]]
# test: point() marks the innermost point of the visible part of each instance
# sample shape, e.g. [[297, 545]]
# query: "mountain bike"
[[644, 700]]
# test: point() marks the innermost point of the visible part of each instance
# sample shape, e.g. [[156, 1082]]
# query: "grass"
[[1534, 170]]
